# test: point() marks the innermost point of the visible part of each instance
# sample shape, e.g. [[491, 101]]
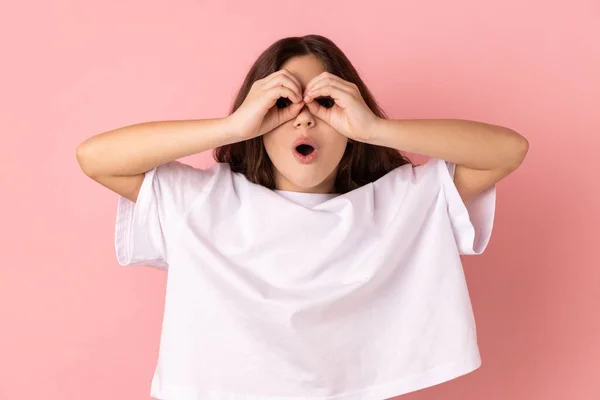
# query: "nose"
[[304, 118]]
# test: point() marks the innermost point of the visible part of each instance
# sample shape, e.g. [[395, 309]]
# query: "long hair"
[[361, 163]]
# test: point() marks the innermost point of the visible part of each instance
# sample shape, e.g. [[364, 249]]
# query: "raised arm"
[[118, 159]]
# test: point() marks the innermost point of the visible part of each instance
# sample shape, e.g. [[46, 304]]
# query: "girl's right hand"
[[258, 115]]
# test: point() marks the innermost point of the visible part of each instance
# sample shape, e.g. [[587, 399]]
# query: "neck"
[[327, 186]]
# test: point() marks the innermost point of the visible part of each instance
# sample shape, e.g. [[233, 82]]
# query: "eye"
[[283, 102], [325, 101]]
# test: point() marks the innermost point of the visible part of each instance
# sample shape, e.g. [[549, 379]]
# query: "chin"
[[303, 177]]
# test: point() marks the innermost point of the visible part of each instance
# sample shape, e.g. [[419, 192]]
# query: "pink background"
[[76, 325]]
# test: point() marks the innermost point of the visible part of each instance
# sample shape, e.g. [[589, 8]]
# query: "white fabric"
[[284, 295]]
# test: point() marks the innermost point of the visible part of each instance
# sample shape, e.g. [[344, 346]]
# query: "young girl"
[[312, 261]]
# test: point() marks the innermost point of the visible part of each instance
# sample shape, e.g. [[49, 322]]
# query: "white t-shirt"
[[286, 295]]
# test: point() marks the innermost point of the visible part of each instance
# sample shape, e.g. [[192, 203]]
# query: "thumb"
[[293, 110], [315, 109]]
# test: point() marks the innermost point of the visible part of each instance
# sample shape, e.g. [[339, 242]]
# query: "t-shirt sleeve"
[[472, 223], [144, 229]]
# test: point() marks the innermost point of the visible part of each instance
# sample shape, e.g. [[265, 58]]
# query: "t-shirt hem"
[[472, 237], [131, 218], [432, 377]]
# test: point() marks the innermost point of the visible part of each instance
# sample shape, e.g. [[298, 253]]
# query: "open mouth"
[[305, 149]]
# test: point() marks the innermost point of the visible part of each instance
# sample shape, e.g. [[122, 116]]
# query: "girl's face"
[[317, 176]]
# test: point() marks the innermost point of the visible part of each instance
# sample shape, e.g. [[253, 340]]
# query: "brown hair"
[[361, 163]]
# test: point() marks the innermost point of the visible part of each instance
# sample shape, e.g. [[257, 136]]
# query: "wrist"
[[377, 127], [231, 128]]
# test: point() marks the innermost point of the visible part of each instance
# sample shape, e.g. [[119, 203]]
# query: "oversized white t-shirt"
[[299, 296]]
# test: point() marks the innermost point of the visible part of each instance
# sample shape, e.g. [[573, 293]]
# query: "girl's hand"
[[350, 115], [258, 114]]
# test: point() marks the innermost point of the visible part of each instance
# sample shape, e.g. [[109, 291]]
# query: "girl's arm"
[[483, 153], [119, 158]]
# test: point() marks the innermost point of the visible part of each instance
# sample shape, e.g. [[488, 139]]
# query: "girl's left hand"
[[350, 115]]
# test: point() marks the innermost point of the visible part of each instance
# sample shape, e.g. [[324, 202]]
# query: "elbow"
[[84, 155], [519, 150], [522, 149]]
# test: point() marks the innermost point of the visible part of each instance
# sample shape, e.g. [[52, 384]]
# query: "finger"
[[327, 77], [261, 83], [273, 77], [341, 97], [291, 76], [286, 80], [341, 84], [282, 71], [289, 83], [292, 111], [317, 110], [314, 80], [324, 83], [276, 92]]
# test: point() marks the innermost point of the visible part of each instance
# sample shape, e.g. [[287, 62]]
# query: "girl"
[[313, 260]]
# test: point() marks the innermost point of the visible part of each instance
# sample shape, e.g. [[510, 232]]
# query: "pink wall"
[[75, 325]]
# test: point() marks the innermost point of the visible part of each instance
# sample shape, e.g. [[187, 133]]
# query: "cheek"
[[273, 142], [278, 135], [341, 147], [338, 142]]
